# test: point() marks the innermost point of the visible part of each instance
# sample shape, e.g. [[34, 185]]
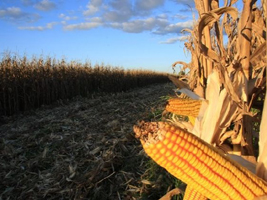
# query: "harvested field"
[[82, 149]]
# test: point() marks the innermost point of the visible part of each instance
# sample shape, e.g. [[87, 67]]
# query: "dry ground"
[[81, 149]]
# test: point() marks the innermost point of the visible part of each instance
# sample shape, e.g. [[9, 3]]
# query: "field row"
[[27, 84]]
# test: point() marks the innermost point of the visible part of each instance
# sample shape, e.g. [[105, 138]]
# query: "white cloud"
[[82, 26], [92, 7], [116, 16], [118, 11], [32, 28], [174, 28], [45, 5], [148, 4], [137, 26], [179, 16], [15, 14], [174, 40], [67, 18], [39, 28], [126, 15], [96, 19], [51, 25]]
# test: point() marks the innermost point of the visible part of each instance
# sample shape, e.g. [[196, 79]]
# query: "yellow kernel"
[[170, 158], [161, 159], [186, 146], [175, 159], [182, 154], [152, 146], [174, 149], [189, 139], [156, 156], [148, 151], [203, 158], [186, 136], [164, 162], [173, 137], [186, 156], [182, 143], [198, 152], [191, 158], [162, 150], [165, 142], [168, 134], [191, 148], [178, 151], [180, 133], [178, 163], [178, 139], [168, 165], [168, 153], [198, 165], [205, 171], [194, 141], [159, 145], [194, 175], [208, 161], [183, 166], [170, 145], [154, 151]]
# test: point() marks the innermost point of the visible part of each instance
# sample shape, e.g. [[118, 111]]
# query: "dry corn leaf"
[[258, 30], [219, 114], [178, 83], [258, 54], [207, 20], [190, 94], [170, 194], [146, 182]]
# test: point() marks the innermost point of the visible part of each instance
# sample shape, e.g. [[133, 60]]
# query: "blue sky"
[[133, 34]]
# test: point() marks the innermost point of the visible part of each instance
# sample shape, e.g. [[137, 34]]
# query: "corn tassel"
[[192, 194], [186, 107], [197, 163]]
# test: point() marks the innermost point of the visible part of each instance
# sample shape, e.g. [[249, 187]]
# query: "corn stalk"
[[234, 81]]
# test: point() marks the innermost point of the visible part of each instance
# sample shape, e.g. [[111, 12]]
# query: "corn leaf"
[[220, 112], [208, 19]]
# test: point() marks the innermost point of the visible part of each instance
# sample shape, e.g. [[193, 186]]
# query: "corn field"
[[28, 84]]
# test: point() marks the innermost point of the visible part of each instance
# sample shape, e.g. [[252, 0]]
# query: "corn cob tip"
[[148, 132]]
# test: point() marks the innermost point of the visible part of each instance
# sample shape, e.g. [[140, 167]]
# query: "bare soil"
[[81, 149]]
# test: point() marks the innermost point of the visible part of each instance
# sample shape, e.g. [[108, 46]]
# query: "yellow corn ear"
[[192, 194], [197, 163], [186, 107]]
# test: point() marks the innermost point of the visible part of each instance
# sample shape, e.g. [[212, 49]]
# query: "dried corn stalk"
[[236, 83]]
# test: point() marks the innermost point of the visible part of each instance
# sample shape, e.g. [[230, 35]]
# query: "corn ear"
[[197, 163], [186, 107]]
